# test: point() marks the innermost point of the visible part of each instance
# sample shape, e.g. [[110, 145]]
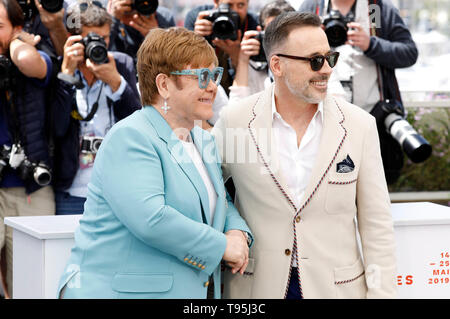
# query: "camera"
[[38, 171], [29, 7], [226, 23], [14, 157], [90, 144], [261, 56], [95, 48], [145, 7], [390, 116], [5, 73], [336, 27]]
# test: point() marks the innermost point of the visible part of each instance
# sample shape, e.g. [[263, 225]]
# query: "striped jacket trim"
[[285, 194]]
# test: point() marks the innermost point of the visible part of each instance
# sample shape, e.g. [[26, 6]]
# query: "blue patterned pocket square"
[[346, 166]]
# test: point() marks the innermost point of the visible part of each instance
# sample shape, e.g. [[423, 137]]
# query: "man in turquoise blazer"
[[146, 230]]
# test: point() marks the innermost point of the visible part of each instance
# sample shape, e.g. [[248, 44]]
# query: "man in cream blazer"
[[309, 179]]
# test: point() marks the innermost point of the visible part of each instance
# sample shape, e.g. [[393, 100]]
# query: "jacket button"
[[203, 267], [298, 219], [199, 265], [206, 284], [287, 252], [186, 259]]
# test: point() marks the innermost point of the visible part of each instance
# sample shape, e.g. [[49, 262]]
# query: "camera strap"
[[375, 33], [76, 114]]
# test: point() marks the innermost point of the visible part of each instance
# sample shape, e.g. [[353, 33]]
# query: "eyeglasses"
[[204, 75], [316, 61], [84, 5]]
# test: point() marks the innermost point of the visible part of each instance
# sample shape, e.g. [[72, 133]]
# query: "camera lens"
[[146, 7], [224, 28], [96, 145], [415, 146], [42, 176], [52, 5], [97, 52], [336, 32]]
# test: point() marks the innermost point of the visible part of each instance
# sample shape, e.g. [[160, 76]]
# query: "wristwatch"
[[247, 237]]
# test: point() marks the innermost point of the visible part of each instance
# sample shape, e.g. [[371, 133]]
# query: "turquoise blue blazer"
[[146, 230]]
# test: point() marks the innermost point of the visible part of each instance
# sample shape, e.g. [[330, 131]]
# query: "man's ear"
[[162, 83], [276, 65]]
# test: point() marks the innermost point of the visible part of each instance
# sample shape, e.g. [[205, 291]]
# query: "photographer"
[[132, 20], [100, 89], [252, 74], [25, 171], [373, 41], [45, 18], [227, 50]]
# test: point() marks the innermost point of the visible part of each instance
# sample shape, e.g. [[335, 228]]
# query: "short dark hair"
[[273, 9], [278, 30], [14, 12], [92, 16]]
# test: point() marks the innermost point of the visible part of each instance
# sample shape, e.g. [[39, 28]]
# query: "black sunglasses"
[[316, 61], [84, 5]]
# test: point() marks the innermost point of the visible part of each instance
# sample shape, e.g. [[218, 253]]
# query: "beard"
[[305, 91]]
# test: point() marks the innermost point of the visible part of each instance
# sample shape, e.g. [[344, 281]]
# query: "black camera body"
[[5, 73], [226, 23], [29, 7], [95, 48], [261, 56], [390, 116], [336, 27], [26, 169], [145, 7]]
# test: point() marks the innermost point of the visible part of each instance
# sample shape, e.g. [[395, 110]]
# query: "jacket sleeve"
[[138, 200], [129, 101], [395, 47], [62, 106], [375, 220]]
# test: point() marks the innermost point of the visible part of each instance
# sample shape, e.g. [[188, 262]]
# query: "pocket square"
[[346, 166]]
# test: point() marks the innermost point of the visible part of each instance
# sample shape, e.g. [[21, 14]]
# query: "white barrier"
[[422, 231]]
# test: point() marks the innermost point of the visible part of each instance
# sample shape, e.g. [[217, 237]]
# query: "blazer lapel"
[[260, 129], [180, 155], [333, 136]]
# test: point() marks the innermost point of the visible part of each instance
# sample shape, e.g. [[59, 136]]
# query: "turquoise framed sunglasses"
[[204, 75]]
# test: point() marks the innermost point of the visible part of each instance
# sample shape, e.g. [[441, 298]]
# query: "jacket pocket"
[[341, 193], [350, 281], [138, 282]]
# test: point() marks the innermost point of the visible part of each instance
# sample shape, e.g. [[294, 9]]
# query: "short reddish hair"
[[168, 50]]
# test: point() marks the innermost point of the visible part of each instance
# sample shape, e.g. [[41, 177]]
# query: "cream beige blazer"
[[337, 209]]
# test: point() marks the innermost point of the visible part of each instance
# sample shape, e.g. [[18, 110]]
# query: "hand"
[[230, 47], [250, 45], [356, 36], [119, 8], [106, 72], [73, 54], [143, 24], [236, 252], [203, 26], [25, 37], [50, 20]]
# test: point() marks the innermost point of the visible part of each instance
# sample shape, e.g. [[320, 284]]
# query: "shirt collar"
[[275, 113]]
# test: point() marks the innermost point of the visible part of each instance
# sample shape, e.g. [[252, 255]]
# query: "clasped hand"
[[236, 252]]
